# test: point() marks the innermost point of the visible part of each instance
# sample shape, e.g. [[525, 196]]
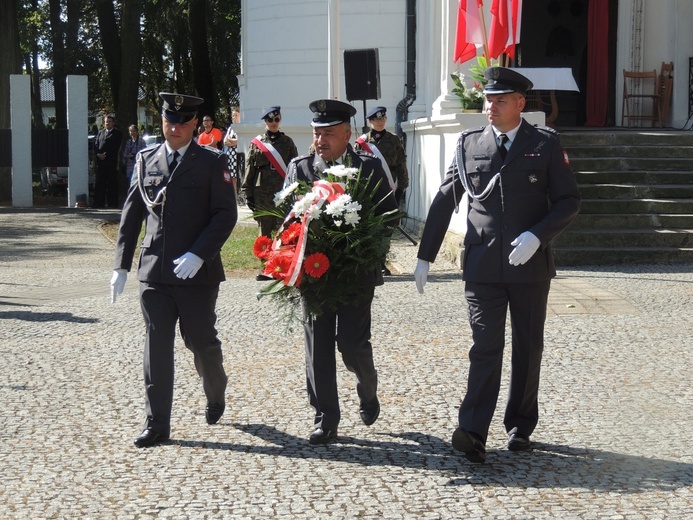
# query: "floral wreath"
[[330, 242]]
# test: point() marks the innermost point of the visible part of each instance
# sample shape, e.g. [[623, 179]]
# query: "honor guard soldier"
[[265, 169], [184, 195], [522, 194], [350, 324], [388, 148]]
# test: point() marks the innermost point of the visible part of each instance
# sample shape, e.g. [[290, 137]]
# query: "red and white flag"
[[470, 32], [506, 20]]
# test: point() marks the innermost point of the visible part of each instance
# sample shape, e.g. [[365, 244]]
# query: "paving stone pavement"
[[613, 441]]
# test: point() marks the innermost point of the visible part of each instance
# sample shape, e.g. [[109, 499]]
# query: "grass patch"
[[236, 255]]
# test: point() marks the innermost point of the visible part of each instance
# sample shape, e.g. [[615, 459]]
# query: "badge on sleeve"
[[565, 158], [227, 176]]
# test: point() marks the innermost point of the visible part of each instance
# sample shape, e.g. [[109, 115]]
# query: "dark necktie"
[[502, 139], [174, 162]]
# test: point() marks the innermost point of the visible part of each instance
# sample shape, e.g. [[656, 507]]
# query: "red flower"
[[290, 234], [262, 247], [316, 265], [278, 265]]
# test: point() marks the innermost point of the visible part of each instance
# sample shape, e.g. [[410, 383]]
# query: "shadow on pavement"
[[546, 466]]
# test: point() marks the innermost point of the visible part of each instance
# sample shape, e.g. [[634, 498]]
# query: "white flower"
[[338, 206], [302, 205], [352, 218], [339, 170], [338, 223], [314, 212], [281, 196], [353, 207]]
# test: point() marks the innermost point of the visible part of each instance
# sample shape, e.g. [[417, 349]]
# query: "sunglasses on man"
[[273, 120]]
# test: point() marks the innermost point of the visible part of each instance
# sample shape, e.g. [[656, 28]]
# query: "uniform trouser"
[[352, 324], [268, 225], [193, 306], [488, 305], [106, 186]]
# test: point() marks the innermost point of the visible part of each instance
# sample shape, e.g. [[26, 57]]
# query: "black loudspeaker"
[[362, 74]]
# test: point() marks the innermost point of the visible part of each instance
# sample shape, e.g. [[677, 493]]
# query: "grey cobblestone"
[[613, 439]]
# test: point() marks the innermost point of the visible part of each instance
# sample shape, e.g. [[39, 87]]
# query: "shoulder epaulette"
[[363, 153], [149, 149], [546, 129], [300, 157], [469, 131]]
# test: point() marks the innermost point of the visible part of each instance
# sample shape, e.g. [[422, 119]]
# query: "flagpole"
[[480, 5]]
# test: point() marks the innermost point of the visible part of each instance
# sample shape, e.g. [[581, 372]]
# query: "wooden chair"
[[641, 97], [666, 84]]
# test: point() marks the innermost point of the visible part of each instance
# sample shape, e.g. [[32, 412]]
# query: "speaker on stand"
[[362, 76]]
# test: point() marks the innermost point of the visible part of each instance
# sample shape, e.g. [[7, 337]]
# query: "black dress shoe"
[[150, 437], [386, 271], [470, 444], [213, 412], [369, 414], [320, 436], [263, 277], [519, 442]]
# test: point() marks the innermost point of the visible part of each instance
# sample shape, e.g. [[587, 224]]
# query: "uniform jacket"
[[197, 216], [303, 168], [391, 147], [108, 143], [262, 181], [537, 192]]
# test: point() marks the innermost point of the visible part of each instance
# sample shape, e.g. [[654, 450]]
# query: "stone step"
[[672, 206], [593, 164], [636, 191], [626, 238], [657, 151], [631, 221], [634, 177], [574, 256], [571, 139]]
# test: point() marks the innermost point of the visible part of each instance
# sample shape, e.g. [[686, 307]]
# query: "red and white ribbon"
[[372, 149], [324, 191], [272, 155]]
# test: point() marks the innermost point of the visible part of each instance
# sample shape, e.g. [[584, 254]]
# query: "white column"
[[20, 123], [78, 140], [446, 103], [333, 49]]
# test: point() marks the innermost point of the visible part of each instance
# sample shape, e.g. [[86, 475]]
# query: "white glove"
[[421, 274], [187, 265], [118, 280], [525, 246]]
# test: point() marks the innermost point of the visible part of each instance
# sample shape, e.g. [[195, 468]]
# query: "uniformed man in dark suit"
[[184, 195], [107, 150], [522, 194], [350, 324]]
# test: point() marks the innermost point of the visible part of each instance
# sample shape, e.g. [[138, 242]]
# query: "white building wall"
[[285, 56], [285, 52], [650, 32]]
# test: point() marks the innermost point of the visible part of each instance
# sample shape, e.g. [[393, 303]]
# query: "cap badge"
[[322, 106], [495, 73], [178, 100]]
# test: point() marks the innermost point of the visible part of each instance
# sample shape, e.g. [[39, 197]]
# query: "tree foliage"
[[132, 49]]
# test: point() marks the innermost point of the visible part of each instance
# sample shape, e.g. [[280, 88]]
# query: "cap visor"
[[178, 117]]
